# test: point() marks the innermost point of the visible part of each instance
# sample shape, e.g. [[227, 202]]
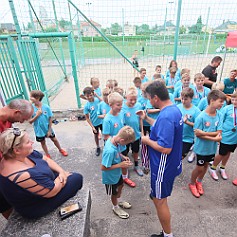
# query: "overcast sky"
[[137, 12]]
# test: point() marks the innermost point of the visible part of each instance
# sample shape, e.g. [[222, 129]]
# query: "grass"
[[95, 50]]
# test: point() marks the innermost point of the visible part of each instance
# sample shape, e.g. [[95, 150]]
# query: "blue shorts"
[[161, 190]]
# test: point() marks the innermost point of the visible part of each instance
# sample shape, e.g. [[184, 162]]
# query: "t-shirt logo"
[[44, 112], [207, 124], [180, 121], [92, 108], [104, 111], [116, 125], [128, 114]]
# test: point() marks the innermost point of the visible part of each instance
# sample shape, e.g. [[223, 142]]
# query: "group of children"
[[207, 119]]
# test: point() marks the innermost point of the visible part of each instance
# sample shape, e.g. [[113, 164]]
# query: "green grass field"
[[95, 50]]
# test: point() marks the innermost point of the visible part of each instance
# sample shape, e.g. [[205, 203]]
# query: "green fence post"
[[16, 23], [74, 68], [176, 39]]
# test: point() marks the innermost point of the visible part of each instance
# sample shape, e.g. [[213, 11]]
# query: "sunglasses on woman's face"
[[16, 133]]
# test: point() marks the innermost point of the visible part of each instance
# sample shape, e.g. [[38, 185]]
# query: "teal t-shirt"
[[149, 106], [177, 74], [131, 119], [171, 82], [207, 123], [98, 91], [103, 108], [91, 109], [111, 156], [177, 93], [202, 105], [229, 86], [112, 124], [193, 112], [229, 114], [145, 79], [172, 98], [41, 124], [199, 95]]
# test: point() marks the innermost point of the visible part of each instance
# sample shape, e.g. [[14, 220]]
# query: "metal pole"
[[16, 22], [204, 39], [165, 28], [60, 39], [223, 65], [81, 48], [176, 40], [74, 68], [208, 43], [123, 24]]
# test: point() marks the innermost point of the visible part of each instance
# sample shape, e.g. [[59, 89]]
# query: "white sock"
[[114, 207], [125, 176], [168, 235]]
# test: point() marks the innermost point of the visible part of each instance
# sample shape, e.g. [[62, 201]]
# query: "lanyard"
[[199, 95], [234, 112]]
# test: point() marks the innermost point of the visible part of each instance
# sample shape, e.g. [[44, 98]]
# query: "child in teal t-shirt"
[[230, 83], [189, 113], [229, 138], [112, 163], [207, 129], [42, 122], [103, 107], [171, 80]]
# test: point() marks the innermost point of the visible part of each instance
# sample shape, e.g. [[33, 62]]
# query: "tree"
[[115, 29], [182, 30], [143, 29], [197, 28], [62, 23]]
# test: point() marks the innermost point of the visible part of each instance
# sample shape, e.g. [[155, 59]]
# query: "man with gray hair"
[[17, 110]]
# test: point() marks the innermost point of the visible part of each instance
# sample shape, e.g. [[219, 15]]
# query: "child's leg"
[[197, 172], [45, 148], [56, 142], [203, 172], [96, 137]]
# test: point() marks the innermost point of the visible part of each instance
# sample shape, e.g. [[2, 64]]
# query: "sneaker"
[[63, 152], [191, 157], [48, 155], [97, 152], [223, 174], [213, 174], [129, 182], [199, 188], [138, 170], [234, 182], [193, 190], [160, 235]]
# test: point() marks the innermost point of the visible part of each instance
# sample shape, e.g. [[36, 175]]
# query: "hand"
[[63, 177], [185, 118], [145, 140], [198, 132], [39, 112], [94, 130], [49, 133], [142, 114], [125, 158], [218, 137], [125, 164]]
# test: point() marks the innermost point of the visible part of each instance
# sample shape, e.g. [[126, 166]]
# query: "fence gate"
[[11, 83]]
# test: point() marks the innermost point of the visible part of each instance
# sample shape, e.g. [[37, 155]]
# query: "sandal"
[[125, 205], [129, 182], [121, 213]]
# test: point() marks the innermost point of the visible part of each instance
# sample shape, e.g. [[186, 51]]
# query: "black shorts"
[[112, 189], [201, 160], [186, 148], [147, 129], [225, 148], [98, 127], [4, 205], [40, 139], [134, 146]]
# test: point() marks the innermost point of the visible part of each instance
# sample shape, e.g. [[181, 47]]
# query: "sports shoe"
[[138, 170], [193, 190], [160, 235], [234, 182], [199, 188], [213, 173], [63, 152], [191, 157], [210, 163], [97, 152], [223, 174], [129, 182]]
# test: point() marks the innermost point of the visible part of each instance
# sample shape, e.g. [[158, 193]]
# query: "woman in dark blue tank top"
[[33, 184]]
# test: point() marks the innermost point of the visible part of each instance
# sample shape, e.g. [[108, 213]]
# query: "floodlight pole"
[[176, 40]]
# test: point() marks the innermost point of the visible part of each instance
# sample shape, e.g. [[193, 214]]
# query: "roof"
[[7, 26], [224, 25], [85, 23], [168, 24]]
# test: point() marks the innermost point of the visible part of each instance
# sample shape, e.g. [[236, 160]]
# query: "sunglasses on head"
[[16, 132]]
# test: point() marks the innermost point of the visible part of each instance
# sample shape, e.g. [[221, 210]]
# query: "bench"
[[77, 225]]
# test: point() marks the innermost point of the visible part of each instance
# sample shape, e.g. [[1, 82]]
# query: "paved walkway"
[[214, 214]]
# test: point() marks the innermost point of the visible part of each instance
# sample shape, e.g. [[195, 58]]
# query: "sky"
[[138, 12]]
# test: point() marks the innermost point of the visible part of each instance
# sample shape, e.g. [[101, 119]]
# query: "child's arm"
[[217, 138], [100, 99], [50, 127], [142, 114], [186, 121], [89, 122], [200, 133], [101, 116], [170, 87], [123, 164], [38, 113]]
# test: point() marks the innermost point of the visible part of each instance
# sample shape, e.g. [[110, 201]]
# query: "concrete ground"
[[214, 214]]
